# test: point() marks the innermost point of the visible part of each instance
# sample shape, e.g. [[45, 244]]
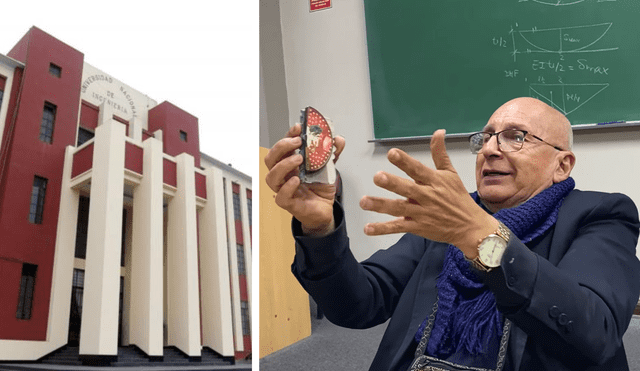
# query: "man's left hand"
[[436, 206]]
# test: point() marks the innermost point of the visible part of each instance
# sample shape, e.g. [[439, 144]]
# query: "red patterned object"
[[319, 140]]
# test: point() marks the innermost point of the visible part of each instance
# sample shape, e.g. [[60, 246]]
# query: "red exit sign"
[[319, 4]]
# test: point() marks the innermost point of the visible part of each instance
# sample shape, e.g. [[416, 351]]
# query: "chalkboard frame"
[[583, 127]]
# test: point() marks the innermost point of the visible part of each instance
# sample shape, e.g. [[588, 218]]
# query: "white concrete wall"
[[233, 268], [147, 254], [183, 299], [99, 331], [246, 236], [7, 67], [215, 290], [326, 67], [213, 232], [98, 88]]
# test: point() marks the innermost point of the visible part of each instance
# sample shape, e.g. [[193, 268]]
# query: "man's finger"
[[294, 131], [284, 148], [284, 197], [396, 207], [339, 142], [282, 172], [439, 151], [399, 225], [398, 185], [412, 167]]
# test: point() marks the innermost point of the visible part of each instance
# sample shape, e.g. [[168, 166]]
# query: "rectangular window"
[[246, 327], [183, 136], [236, 207], [82, 229], [3, 80], [240, 253], [249, 206], [37, 199], [27, 286], [48, 120], [55, 70], [84, 136], [77, 293], [124, 237]]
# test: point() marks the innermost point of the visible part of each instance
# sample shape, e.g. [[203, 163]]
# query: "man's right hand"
[[311, 204]]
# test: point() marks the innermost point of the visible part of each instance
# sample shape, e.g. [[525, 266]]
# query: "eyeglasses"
[[510, 140]]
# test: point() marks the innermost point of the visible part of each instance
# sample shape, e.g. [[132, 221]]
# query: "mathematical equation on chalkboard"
[[564, 65]]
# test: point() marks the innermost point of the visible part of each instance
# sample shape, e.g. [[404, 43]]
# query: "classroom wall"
[[326, 67]]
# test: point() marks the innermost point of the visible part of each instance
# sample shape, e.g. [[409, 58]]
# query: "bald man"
[[526, 273]]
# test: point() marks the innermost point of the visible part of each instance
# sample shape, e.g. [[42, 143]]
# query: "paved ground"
[[330, 346], [240, 366], [4, 367]]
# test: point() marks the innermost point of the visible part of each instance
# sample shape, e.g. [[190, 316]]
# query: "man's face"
[[507, 179]]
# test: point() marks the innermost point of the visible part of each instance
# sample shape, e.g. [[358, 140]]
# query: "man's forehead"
[[493, 126], [522, 114]]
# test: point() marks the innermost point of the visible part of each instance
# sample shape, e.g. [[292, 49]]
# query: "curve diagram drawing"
[[576, 39], [558, 2], [561, 2], [566, 97]]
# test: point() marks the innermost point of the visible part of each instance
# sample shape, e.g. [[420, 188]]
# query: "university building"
[[114, 229]]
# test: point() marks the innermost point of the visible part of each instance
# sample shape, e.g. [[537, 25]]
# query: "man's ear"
[[565, 162]]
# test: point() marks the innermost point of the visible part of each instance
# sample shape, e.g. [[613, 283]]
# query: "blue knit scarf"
[[467, 317]]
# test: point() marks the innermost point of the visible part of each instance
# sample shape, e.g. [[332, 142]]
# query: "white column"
[[233, 263], [58, 329], [135, 129], [105, 115], [99, 332], [183, 302], [145, 324], [246, 234], [214, 266]]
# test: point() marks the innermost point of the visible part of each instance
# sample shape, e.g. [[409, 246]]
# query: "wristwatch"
[[491, 249]]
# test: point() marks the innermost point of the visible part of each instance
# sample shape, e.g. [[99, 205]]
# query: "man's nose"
[[491, 147]]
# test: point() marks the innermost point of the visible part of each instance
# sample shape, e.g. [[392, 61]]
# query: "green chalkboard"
[[451, 63]]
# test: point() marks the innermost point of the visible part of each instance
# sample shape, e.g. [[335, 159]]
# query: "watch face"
[[491, 249]]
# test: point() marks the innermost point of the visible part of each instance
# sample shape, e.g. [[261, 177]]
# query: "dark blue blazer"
[[570, 293]]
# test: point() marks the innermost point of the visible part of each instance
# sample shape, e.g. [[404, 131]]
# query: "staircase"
[[132, 356]]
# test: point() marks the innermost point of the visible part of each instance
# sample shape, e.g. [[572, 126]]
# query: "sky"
[[201, 55]]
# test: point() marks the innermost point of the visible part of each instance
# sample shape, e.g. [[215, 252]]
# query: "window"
[[48, 120], [84, 136], [240, 253], [183, 136], [236, 206], [77, 293], [3, 80], [82, 229], [37, 199], [249, 206], [124, 237], [27, 285], [55, 70], [244, 309]]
